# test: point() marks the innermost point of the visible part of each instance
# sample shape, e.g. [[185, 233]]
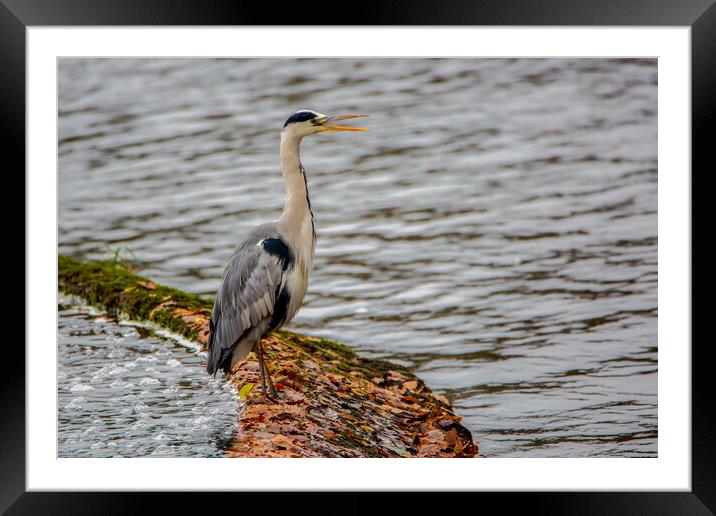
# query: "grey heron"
[[266, 278]]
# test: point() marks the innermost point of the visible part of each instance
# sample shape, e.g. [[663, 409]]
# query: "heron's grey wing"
[[247, 296]]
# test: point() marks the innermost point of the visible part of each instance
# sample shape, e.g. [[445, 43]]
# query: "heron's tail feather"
[[212, 355], [225, 360]]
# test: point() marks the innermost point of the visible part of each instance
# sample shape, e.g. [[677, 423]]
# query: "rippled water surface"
[[495, 230]]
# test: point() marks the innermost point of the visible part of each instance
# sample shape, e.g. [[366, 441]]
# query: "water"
[[125, 393], [495, 229]]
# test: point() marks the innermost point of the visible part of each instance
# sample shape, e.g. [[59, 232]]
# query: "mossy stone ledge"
[[333, 403]]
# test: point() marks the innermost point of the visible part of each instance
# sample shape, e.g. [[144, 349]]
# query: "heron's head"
[[305, 122]]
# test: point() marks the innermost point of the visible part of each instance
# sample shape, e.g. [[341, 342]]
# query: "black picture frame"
[[699, 15]]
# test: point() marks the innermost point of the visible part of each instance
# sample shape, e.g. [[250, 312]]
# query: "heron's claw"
[[264, 398], [272, 393]]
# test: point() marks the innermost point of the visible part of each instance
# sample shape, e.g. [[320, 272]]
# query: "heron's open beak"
[[339, 127]]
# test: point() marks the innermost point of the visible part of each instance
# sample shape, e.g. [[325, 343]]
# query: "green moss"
[[341, 349], [109, 285], [326, 349], [372, 368], [345, 360], [344, 440], [342, 366]]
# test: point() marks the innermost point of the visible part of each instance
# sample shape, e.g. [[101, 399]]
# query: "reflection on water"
[[495, 230]]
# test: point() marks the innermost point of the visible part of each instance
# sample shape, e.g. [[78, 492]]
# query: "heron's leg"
[[265, 372], [272, 389], [262, 367]]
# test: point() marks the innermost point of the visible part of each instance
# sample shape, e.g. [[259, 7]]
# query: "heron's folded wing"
[[246, 296]]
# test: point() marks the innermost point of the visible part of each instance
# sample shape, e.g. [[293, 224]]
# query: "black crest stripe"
[[308, 199], [300, 116]]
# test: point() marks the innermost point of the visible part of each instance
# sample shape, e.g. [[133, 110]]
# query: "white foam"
[[123, 320], [80, 387]]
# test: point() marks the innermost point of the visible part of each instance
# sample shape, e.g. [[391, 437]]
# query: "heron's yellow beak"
[[339, 127]]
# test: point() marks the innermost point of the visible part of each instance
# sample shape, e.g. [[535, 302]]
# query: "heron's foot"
[[274, 396], [260, 400], [272, 392], [265, 375], [264, 398]]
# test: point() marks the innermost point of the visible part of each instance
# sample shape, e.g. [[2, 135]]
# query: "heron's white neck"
[[296, 222]]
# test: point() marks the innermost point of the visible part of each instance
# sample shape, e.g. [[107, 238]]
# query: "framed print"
[[497, 236]]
